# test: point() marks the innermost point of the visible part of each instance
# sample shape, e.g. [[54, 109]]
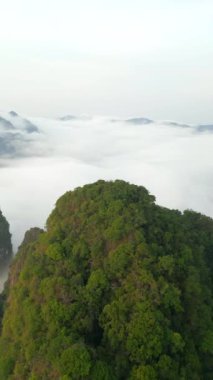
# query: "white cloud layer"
[[173, 161]]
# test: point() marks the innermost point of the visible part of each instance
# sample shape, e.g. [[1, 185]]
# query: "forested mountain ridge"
[[116, 288]]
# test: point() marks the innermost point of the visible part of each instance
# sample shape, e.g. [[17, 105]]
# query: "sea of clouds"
[[41, 158]]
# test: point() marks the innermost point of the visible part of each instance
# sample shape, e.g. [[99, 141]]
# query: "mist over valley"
[[42, 158]]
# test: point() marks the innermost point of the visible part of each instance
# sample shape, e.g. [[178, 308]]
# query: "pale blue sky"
[[123, 58]]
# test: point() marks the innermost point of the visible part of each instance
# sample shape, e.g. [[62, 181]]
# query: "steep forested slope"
[[116, 288], [5, 256], [5, 243]]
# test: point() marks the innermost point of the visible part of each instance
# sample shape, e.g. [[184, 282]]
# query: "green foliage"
[[75, 362], [117, 288], [143, 372], [102, 371]]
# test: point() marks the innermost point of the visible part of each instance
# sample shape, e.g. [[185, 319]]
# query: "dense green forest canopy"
[[116, 288]]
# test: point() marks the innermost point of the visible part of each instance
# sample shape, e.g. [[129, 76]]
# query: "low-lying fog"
[[40, 159]]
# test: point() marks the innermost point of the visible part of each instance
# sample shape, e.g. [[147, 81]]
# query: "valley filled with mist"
[[42, 158]]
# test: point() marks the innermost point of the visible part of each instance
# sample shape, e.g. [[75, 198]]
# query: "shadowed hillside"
[[5, 247]]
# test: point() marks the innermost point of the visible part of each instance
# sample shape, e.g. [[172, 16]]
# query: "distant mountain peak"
[[67, 118], [13, 113], [139, 120]]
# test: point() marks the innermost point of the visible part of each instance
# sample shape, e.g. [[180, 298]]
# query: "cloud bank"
[[41, 158]]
